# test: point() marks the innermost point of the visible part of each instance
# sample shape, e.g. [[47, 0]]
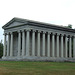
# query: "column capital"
[[44, 32], [11, 32], [8, 33], [4, 33], [53, 33], [66, 35], [62, 35], [28, 30], [58, 34], [18, 31], [74, 36], [49, 33], [70, 36], [23, 30], [39, 31], [33, 30]]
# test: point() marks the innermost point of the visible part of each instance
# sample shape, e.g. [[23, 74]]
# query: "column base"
[[35, 58]]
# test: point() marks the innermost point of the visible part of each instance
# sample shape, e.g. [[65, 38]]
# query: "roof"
[[40, 24]]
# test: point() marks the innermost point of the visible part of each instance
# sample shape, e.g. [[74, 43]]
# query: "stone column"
[[4, 50], [48, 44], [53, 45], [33, 43], [70, 47], [38, 44], [11, 48], [43, 44], [8, 45], [57, 43], [19, 43], [23, 43], [66, 46], [61, 45], [74, 47], [28, 43]]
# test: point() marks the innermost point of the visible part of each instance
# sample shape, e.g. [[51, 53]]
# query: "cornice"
[[38, 24]]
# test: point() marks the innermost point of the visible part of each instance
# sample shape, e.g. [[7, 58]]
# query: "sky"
[[59, 12]]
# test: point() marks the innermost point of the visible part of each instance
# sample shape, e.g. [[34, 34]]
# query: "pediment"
[[14, 23]]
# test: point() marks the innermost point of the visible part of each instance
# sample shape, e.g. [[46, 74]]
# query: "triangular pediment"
[[14, 23]]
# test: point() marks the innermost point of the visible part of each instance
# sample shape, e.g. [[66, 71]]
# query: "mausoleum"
[[31, 40]]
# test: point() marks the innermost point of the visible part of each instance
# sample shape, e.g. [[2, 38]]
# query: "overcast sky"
[[59, 12]]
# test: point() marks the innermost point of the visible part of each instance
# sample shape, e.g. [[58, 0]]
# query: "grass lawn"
[[36, 68]]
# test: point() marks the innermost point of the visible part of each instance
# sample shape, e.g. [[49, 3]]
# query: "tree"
[[1, 49], [69, 26]]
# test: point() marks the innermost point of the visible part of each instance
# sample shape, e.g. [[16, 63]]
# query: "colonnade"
[[61, 50]]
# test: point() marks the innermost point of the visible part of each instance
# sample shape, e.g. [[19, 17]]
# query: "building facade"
[[31, 40]]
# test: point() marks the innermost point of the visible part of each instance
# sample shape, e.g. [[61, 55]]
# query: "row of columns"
[[10, 46]]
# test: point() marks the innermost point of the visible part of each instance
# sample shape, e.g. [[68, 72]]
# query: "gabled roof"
[[18, 20], [35, 23]]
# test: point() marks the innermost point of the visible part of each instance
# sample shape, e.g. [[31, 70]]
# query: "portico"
[[26, 39]]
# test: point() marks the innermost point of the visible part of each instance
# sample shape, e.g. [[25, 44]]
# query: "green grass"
[[36, 68]]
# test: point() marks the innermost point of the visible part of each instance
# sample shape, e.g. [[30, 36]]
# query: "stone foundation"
[[39, 59]]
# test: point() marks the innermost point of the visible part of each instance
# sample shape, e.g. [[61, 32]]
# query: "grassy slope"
[[36, 68]]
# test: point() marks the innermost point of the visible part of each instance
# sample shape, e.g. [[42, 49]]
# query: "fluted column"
[[66, 46], [38, 44], [4, 50], [33, 43], [23, 43], [43, 44], [19, 43], [70, 47], [8, 45], [57, 44], [28, 43], [61, 45], [48, 44], [53, 45], [11, 48], [74, 47]]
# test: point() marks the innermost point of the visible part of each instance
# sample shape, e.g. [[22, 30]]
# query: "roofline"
[[40, 24]]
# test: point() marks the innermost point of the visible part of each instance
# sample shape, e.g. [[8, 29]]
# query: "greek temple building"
[[32, 40]]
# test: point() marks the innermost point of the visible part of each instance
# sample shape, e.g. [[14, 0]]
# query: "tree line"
[[1, 49]]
